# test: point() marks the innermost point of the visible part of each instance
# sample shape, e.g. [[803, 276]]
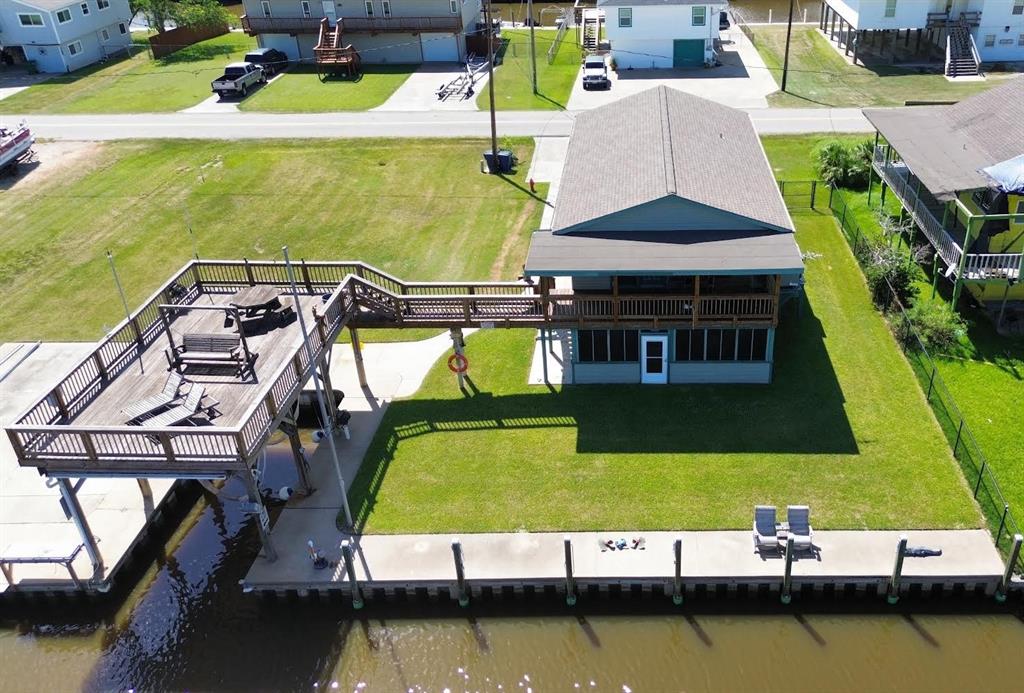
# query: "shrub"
[[940, 328], [847, 167], [885, 266]]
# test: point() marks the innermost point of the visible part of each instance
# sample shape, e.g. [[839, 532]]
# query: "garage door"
[[688, 53], [440, 48]]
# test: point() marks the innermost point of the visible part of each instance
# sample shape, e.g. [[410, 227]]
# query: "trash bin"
[[505, 159]]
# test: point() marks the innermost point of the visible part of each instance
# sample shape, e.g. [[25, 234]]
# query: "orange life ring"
[[457, 363]]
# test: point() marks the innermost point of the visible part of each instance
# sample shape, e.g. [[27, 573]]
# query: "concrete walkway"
[[419, 91], [32, 518], [248, 125]]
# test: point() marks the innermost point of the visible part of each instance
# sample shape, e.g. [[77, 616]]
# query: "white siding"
[[756, 372], [870, 14], [648, 42], [998, 20]]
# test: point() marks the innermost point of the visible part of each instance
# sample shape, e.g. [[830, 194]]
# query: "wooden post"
[[696, 299], [893, 596], [305, 277], [249, 274], [460, 572], [350, 569], [97, 358], [457, 346], [332, 404], [787, 578], [570, 580], [544, 353], [1011, 562], [299, 457], [357, 353], [615, 299], [677, 581], [776, 292], [959, 282], [67, 492], [262, 520]]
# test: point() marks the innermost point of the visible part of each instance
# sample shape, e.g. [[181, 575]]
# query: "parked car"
[[238, 78], [595, 73], [270, 59]]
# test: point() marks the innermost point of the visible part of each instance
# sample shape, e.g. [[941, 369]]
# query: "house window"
[[890, 8], [1018, 7], [85, 8], [105, 34], [64, 16], [699, 14], [453, 5], [102, 4], [30, 19], [990, 40], [1020, 40], [608, 346], [267, 12], [385, 8], [625, 17], [369, 8], [306, 12], [122, 28], [75, 48], [722, 344]]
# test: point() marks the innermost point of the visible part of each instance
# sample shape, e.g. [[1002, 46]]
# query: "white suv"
[[595, 73]]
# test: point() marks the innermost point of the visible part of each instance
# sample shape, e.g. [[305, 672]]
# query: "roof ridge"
[[668, 157]]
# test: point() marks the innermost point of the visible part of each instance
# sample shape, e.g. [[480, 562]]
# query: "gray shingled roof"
[[664, 142], [664, 252], [947, 146], [51, 5]]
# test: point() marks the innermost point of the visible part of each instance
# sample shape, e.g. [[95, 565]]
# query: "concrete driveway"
[[419, 92], [13, 80], [742, 81]]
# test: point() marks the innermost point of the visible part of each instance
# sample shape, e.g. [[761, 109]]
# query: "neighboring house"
[[668, 219], [382, 31], [966, 31], [661, 33], [952, 168], [62, 36]]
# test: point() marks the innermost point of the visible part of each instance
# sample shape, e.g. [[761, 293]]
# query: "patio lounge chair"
[[765, 534], [167, 396], [799, 519], [184, 411]]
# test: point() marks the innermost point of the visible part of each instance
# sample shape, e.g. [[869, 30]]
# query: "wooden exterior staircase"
[[591, 30], [330, 55]]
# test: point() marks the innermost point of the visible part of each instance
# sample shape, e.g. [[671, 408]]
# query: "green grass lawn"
[[844, 428], [513, 88], [300, 90], [818, 76], [137, 84], [418, 209]]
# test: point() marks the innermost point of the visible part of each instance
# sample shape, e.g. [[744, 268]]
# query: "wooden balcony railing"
[[378, 25], [280, 25]]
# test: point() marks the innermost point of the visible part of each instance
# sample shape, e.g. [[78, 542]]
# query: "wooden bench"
[[211, 349]]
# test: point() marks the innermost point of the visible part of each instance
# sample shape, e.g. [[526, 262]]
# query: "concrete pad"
[[13, 81], [742, 81], [214, 104], [32, 517], [548, 158], [419, 91], [559, 369]]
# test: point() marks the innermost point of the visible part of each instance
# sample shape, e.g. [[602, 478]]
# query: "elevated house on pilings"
[[671, 241], [951, 169]]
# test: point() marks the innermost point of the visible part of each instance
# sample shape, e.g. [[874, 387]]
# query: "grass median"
[[513, 83]]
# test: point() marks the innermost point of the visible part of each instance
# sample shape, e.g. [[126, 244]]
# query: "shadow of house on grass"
[[802, 412]]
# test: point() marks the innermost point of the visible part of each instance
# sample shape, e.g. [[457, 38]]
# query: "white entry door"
[[654, 359], [330, 12]]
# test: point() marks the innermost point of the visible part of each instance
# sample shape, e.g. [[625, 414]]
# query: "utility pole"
[[533, 45], [492, 165], [789, 33]]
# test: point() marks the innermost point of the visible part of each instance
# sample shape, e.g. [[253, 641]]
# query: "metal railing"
[[973, 463], [399, 24], [275, 25]]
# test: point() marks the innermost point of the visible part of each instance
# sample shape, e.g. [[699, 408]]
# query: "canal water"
[[187, 626]]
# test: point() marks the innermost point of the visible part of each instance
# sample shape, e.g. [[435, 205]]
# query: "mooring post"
[[357, 353], [570, 581], [350, 568], [460, 572], [893, 594], [299, 456], [677, 581], [1011, 562], [67, 491], [787, 578]]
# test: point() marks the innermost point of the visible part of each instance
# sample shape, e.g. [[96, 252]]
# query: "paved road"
[[384, 124]]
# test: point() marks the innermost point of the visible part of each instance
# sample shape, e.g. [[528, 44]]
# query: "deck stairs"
[[591, 30], [331, 54], [961, 60]]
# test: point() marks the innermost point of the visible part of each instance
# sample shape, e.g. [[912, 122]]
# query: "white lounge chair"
[[799, 519], [765, 534]]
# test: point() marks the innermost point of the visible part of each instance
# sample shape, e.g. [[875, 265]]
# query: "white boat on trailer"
[[15, 146]]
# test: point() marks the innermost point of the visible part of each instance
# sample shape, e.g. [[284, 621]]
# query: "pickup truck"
[[595, 73], [238, 78]]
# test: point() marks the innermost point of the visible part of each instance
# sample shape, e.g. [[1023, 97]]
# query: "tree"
[[182, 12]]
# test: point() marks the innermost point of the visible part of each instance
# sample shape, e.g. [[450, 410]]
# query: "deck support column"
[[299, 456], [1002, 308], [1004, 584], [262, 519], [544, 337], [357, 353], [332, 404], [458, 346], [822, 16], [959, 283], [147, 496], [856, 45], [67, 492]]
